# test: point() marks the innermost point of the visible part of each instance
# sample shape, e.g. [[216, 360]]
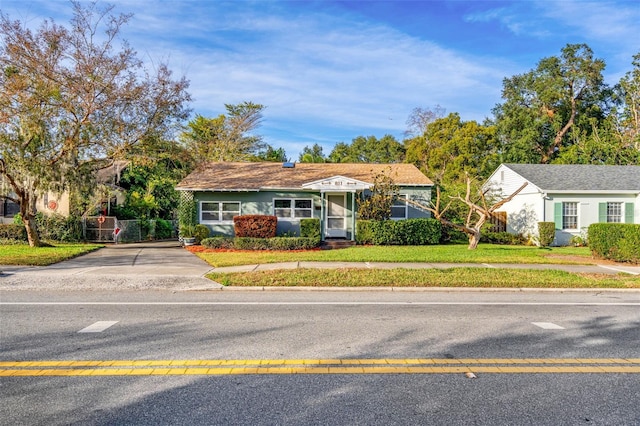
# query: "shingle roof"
[[230, 176], [579, 177]]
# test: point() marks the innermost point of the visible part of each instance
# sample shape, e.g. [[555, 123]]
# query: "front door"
[[336, 220]]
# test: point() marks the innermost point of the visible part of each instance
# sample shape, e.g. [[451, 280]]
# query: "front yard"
[[485, 253]]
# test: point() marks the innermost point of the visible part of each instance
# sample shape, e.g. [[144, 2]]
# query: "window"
[[614, 212], [399, 208], [219, 211], [570, 215], [293, 208]]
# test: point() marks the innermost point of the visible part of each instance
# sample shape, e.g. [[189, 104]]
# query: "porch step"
[[336, 243]]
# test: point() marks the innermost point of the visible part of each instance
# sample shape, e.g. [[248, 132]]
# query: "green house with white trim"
[[573, 196], [294, 191]]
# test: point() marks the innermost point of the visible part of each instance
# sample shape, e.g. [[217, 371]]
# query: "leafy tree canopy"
[[73, 98], [227, 137], [546, 108], [368, 149]]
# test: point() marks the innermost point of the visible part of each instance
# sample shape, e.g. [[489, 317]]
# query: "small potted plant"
[[187, 235]]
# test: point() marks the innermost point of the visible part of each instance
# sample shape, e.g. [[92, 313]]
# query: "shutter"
[[602, 212], [557, 215], [628, 212]]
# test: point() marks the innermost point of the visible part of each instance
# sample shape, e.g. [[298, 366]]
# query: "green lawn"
[[22, 254], [485, 253]]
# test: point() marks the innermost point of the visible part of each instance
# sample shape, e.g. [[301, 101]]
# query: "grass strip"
[[454, 277]]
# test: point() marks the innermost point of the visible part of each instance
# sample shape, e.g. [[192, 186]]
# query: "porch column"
[[353, 216]]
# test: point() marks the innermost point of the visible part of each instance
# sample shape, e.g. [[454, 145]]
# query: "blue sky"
[[329, 71]]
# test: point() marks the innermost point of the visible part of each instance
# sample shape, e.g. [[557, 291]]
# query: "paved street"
[[175, 355], [134, 335]]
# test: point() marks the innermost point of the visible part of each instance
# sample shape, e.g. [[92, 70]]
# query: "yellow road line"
[[318, 366]]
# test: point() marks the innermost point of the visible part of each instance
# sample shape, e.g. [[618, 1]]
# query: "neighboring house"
[[293, 191], [108, 194], [572, 196]]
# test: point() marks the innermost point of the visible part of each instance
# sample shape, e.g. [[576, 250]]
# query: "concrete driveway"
[[149, 265]]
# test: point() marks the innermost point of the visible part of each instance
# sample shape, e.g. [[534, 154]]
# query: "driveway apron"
[[151, 265]]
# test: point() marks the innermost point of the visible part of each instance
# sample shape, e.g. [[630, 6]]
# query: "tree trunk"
[[27, 212], [474, 239]]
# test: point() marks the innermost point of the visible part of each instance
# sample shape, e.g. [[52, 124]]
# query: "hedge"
[[255, 226], [615, 241], [248, 243], [504, 238], [13, 232], [413, 232]]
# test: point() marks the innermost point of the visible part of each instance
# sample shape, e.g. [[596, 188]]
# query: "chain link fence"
[[110, 229]]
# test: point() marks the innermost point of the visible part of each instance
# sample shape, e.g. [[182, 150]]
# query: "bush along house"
[[294, 191]]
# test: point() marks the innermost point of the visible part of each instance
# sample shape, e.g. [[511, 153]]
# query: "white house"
[[572, 196]]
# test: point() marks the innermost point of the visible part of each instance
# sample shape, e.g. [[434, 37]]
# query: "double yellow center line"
[[318, 366]]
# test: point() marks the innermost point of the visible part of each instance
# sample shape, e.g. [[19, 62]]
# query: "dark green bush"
[[164, 229], [310, 228], [13, 232], [56, 227], [546, 233], [399, 232], [503, 238], [201, 232], [615, 241]]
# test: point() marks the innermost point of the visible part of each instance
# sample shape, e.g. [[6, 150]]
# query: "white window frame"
[[615, 210], [566, 216], [397, 205], [293, 209], [220, 212]]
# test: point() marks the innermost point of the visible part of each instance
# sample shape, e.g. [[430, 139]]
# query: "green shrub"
[[399, 232], [503, 238], [201, 232], [615, 241], [56, 227], [546, 233], [13, 231], [255, 226], [310, 228], [364, 231], [164, 229]]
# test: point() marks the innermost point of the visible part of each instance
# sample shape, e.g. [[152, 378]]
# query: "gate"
[[99, 228]]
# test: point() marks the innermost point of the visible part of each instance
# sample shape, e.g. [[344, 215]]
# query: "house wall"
[[588, 211], [526, 209], [255, 203], [531, 206], [261, 202]]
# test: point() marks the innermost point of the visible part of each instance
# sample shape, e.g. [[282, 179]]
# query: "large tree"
[[72, 99], [368, 149], [628, 118], [544, 107], [227, 137], [450, 149]]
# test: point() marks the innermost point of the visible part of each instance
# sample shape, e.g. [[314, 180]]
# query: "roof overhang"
[[592, 191], [337, 184]]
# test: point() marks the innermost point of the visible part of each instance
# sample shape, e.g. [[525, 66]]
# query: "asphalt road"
[[463, 329]]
